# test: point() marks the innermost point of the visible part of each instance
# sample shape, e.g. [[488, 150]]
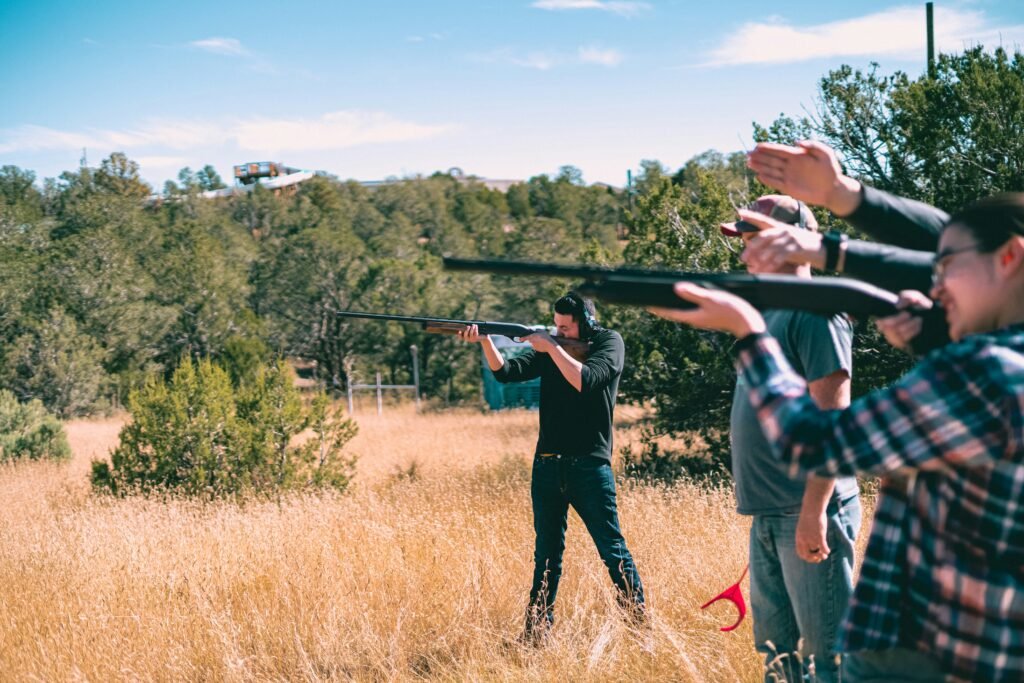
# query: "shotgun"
[[577, 348], [643, 287]]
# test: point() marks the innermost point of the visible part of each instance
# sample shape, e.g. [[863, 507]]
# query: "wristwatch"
[[835, 247]]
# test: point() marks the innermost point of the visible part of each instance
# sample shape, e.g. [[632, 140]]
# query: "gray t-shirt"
[[816, 347]]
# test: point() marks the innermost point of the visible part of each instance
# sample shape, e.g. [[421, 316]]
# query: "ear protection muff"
[[587, 315]]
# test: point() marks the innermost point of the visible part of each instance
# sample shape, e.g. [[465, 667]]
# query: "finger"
[[673, 314], [766, 163], [911, 298], [769, 175], [776, 149], [691, 292], [759, 219], [815, 149]]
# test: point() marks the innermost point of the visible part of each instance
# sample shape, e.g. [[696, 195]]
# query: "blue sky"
[[501, 89]]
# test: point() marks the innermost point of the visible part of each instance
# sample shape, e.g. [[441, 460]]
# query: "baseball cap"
[[782, 208]]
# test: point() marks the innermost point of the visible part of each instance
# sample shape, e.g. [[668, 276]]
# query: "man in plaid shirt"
[[941, 591]]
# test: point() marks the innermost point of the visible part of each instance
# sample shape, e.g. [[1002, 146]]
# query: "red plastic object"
[[734, 595]]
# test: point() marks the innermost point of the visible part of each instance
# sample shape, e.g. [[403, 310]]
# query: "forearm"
[[887, 266], [570, 368], [897, 220], [817, 494], [845, 197], [494, 359]]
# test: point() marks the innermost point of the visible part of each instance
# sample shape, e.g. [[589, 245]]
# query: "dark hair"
[[582, 311], [992, 221]]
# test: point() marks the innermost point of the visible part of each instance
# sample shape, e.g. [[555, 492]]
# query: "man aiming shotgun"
[[577, 348], [572, 460]]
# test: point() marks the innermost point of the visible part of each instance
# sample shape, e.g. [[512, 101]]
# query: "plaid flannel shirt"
[[944, 568]]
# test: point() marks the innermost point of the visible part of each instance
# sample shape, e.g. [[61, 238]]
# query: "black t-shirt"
[[574, 422]]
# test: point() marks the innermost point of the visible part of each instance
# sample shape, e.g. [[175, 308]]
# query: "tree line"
[[102, 289]]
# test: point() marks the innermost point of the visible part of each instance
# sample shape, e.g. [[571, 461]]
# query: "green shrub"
[[58, 364], [28, 431], [197, 434]]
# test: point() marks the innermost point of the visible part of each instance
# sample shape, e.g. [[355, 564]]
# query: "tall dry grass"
[[401, 579]]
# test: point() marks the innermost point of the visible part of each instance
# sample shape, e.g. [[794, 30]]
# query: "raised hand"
[[809, 171]]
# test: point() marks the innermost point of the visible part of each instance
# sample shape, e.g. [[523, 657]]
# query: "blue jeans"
[[791, 599], [586, 483]]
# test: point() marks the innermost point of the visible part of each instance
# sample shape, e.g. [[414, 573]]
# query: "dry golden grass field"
[[403, 578]]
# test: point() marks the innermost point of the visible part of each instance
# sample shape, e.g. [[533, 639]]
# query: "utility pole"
[[629, 188], [929, 19]]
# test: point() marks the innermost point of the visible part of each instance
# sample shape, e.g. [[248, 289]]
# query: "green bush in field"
[[28, 431], [199, 434]]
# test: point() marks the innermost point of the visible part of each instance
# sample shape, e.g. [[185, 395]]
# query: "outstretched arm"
[[921, 422], [519, 369], [810, 172]]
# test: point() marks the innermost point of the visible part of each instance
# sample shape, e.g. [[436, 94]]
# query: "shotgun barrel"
[[645, 287]]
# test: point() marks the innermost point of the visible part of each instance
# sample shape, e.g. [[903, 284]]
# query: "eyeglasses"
[[942, 259]]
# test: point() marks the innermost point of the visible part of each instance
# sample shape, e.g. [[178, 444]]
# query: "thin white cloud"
[[231, 47], [596, 55], [429, 36], [334, 130], [626, 8], [542, 60], [535, 60], [897, 32]]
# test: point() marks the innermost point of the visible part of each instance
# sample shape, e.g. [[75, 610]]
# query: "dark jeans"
[[586, 483]]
